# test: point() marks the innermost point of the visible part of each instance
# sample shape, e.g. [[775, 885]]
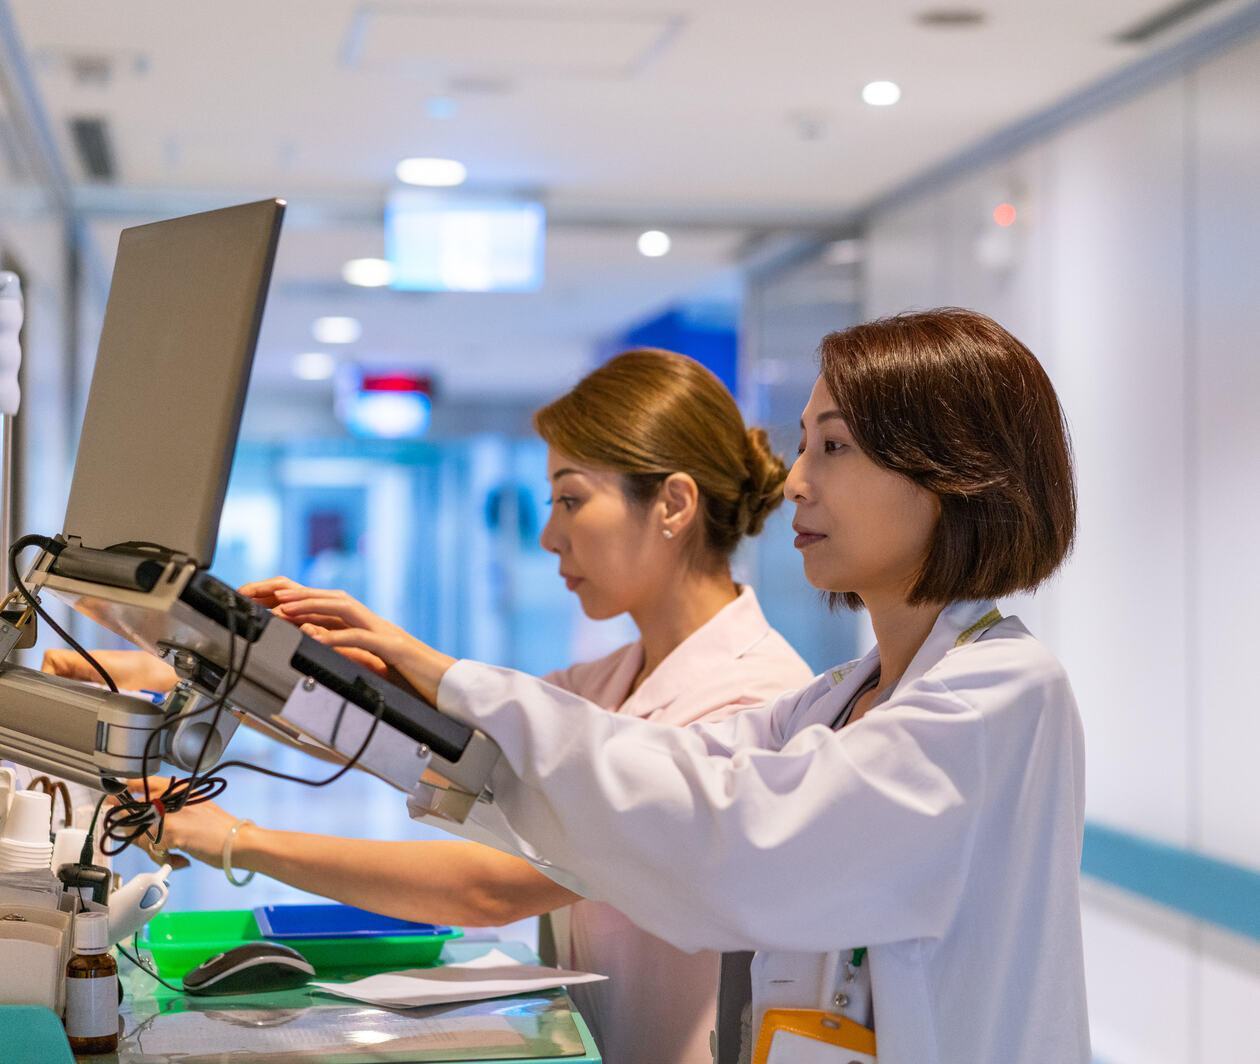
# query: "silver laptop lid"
[[171, 372]]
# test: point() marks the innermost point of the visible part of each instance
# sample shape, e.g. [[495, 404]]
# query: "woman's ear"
[[680, 500]]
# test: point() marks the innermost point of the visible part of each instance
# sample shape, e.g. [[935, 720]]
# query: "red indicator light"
[[1004, 214], [394, 382]]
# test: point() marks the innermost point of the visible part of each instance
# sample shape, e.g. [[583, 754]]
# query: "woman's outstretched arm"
[[438, 882]]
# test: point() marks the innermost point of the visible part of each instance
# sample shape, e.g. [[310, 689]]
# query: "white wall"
[[1132, 271], [1224, 386]]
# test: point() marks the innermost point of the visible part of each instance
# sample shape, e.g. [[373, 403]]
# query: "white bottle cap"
[[91, 933]]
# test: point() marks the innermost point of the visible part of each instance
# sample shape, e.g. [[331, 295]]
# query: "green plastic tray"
[[181, 941]]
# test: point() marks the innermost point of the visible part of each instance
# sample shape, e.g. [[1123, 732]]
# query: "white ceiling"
[[720, 120]]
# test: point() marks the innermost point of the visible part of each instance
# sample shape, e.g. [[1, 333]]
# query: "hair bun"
[[762, 489]]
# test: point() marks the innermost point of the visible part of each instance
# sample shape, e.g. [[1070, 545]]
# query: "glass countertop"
[[306, 1025]]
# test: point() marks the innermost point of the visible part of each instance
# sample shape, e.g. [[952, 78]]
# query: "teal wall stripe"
[[1218, 892]]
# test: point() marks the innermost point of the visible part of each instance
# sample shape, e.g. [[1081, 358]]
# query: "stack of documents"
[[494, 975]]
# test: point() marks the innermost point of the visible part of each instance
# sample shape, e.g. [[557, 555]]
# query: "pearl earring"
[[668, 534]]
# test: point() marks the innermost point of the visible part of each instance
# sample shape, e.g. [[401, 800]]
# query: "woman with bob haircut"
[[655, 480], [899, 841]]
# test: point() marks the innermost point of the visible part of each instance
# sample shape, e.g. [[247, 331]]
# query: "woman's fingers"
[[324, 620], [351, 639], [367, 659], [264, 591], [408, 662], [339, 621], [330, 610]]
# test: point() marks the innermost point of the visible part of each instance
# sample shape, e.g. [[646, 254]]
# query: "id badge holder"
[[812, 1036]]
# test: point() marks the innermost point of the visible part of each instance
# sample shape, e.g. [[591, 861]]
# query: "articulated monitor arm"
[[236, 661], [74, 730]]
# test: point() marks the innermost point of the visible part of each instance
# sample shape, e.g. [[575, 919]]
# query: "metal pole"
[[11, 315], [6, 499]]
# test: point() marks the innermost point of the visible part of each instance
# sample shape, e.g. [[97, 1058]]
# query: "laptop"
[[172, 367]]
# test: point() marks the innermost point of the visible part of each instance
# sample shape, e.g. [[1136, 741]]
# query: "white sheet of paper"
[[493, 975]]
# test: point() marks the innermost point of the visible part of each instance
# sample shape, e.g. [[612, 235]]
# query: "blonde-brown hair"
[[648, 413]]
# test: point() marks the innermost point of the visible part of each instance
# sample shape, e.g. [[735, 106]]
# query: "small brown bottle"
[[92, 988]]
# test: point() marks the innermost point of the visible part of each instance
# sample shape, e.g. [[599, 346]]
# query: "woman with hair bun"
[[655, 480]]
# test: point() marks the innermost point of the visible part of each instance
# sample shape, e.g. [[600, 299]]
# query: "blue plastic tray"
[[335, 921]]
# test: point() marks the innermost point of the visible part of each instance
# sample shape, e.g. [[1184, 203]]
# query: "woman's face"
[[612, 553], [860, 527]]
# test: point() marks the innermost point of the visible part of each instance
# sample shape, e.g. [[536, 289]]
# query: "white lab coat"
[[942, 831]]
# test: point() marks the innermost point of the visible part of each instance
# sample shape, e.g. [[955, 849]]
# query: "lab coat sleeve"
[[728, 836]]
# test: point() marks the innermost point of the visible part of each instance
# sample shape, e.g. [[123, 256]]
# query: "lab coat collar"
[[728, 634], [954, 622]]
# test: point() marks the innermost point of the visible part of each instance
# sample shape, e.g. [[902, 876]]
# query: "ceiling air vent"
[[91, 144], [1162, 21], [951, 17]]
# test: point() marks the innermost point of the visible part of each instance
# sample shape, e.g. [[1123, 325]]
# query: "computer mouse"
[[251, 968]]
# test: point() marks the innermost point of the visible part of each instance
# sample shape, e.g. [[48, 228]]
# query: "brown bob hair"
[[648, 413], [951, 400]]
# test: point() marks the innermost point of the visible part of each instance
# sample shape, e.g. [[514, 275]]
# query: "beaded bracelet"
[[227, 854]]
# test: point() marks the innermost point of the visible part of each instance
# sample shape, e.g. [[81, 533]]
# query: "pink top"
[[659, 1003]]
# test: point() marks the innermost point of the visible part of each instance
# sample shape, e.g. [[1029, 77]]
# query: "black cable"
[[139, 963], [89, 843], [373, 695], [20, 545], [378, 700], [151, 972], [131, 819]]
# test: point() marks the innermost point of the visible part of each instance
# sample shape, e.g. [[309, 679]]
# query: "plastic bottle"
[[92, 988]]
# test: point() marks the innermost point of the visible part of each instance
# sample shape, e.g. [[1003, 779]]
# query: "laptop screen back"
[[172, 367]]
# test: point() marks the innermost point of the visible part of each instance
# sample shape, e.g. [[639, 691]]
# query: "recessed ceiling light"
[[432, 173], [881, 93], [367, 273], [654, 243], [314, 366], [337, 330]]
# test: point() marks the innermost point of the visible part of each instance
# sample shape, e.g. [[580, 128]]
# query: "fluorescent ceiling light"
[[881, 93], [451, 244], [367, 273], [337, 330], [654, 243], [432, 173]]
